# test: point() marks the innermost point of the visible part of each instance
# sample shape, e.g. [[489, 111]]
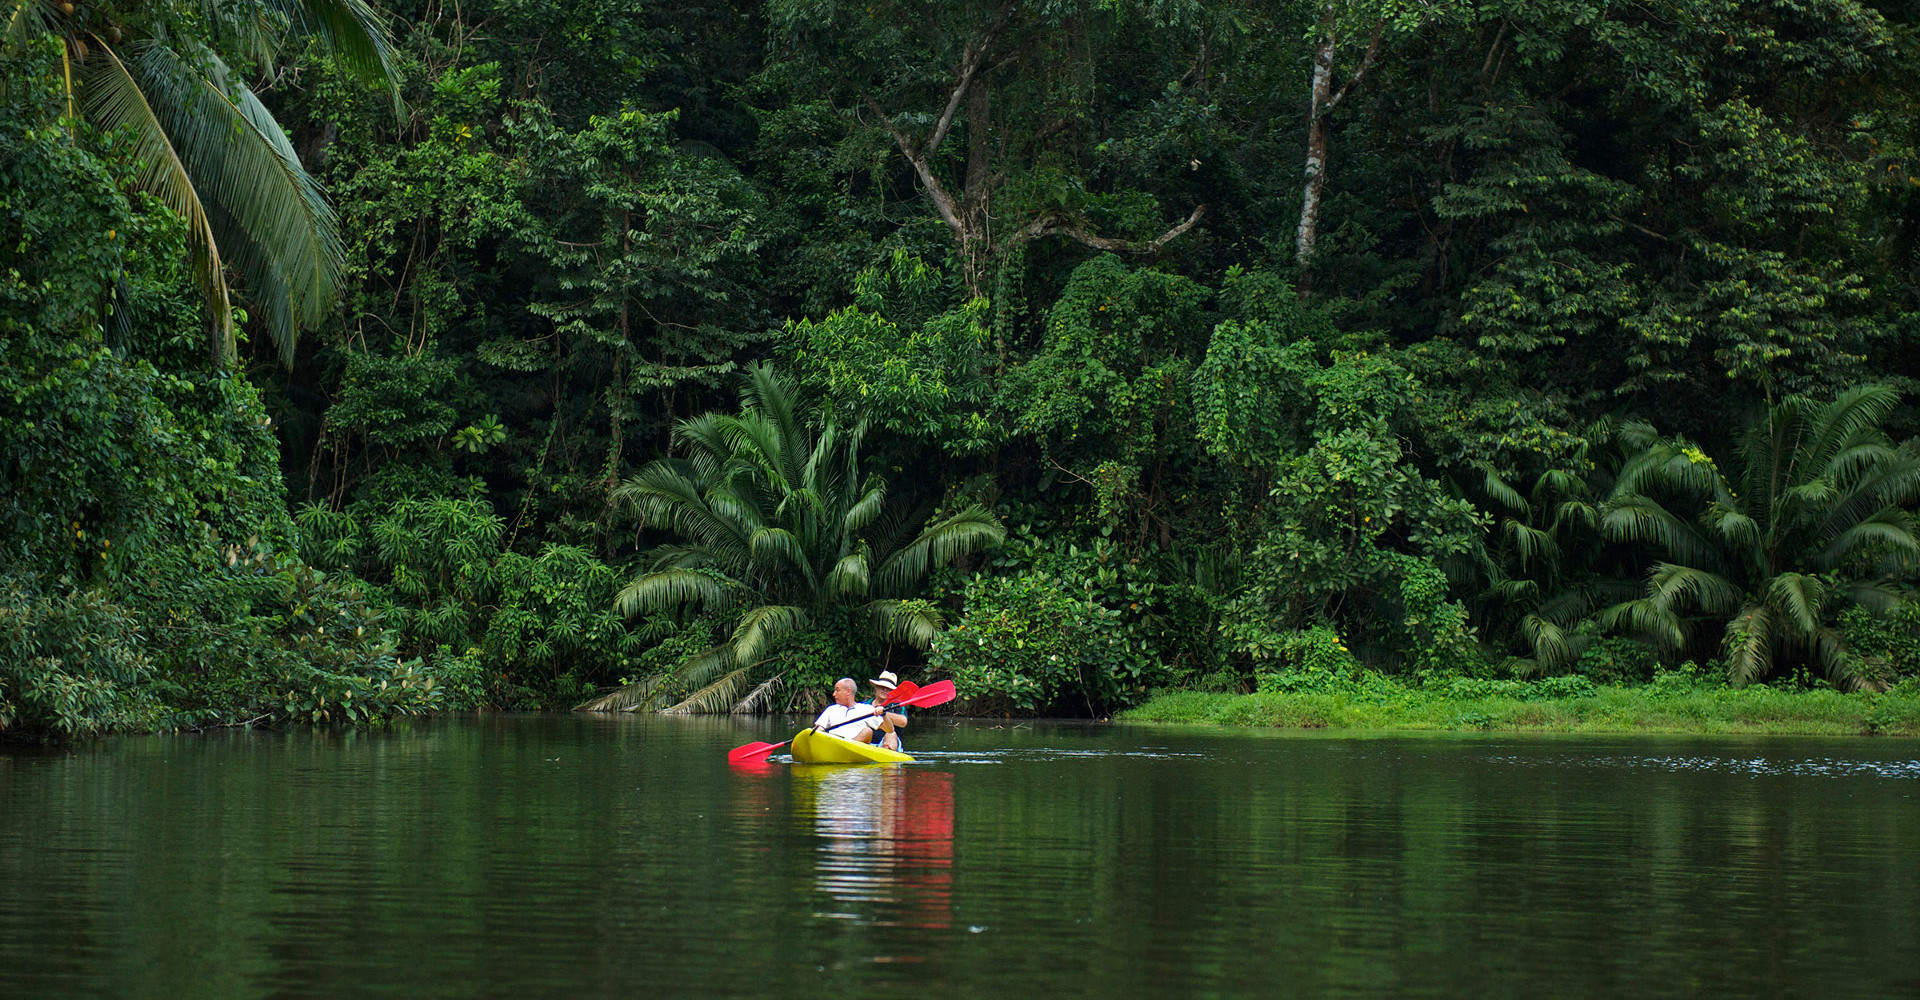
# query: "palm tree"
[[207, 147], [778, 520], [1536, 590], [1813, 518]]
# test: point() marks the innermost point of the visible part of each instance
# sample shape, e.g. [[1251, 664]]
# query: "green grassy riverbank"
[[1673, 703]]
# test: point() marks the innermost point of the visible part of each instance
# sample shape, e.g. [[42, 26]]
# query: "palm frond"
[[1839, 423], [1515, 589], [26, 19], [817, 472], [1557, 482], [1520, 666], [665, 495], [1733, 525], [115, 99], [970, 530], [1858, 457], [766, 393], [896, 525], [1646, 618], [1889, 531], [1846, 669], [669, 589], [1802, 597], [1749, 645], [629, 698], [1670, 466], [1638, 435], [763, 628], [1811, 495], [1635, 517], [702, 667], [849, 577], [736, 507], [1570, 605], [1675, 586], [779, 545], [684, 557], [716, 697], [914, 623], [1765, 452], [706, 437], [1530, 543], [1894, 482], [1554, 648], [271, 220], [801, 503], [1575, 512], [758, 442], [759, 699], [864, 511], [352, 30], [1877, 596], [1500, 491]]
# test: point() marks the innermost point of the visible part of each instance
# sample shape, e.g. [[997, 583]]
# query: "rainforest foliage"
[[522, 353]]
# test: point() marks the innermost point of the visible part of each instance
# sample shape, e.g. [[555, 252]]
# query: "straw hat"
[[886, 680]]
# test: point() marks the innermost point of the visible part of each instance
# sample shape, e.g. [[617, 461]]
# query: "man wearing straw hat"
[[894, 719]]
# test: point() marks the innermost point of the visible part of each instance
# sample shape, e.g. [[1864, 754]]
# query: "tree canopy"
[[1218, 341]]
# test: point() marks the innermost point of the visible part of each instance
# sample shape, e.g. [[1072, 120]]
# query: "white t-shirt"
[[837, 713]]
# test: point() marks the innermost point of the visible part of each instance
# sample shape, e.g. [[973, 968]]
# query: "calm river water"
[[568, 856]]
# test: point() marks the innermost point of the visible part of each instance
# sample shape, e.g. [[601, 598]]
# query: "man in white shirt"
[[844, 707]]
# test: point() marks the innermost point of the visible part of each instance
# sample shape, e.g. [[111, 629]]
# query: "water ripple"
[[1809, 767], [1041, 754]]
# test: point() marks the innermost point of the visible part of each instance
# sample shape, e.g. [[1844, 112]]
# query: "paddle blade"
[[933, 694], [898, 695], [753, 752]]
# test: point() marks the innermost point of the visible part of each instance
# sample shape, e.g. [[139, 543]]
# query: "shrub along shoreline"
[[1674, 702]]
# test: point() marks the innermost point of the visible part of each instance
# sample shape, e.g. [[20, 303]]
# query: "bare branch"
[[942, 202], [1366, 63], [1052, 223], [970, 62], [1498, 37]]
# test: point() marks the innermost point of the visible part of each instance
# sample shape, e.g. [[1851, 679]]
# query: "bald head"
[[843, 691]]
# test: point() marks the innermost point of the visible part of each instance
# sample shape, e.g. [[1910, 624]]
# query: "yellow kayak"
[[826, 748]]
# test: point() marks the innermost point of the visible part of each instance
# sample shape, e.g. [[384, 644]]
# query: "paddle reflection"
[[886, 840]]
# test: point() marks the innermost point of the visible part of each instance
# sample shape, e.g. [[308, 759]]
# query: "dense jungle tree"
[[610, 269], [1621, 198], [1019, 81], [782, 530]]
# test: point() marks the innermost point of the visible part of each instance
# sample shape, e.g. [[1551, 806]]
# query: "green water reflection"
[[594, 857]]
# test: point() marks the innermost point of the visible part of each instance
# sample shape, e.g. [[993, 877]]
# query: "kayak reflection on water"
[[886, 840]]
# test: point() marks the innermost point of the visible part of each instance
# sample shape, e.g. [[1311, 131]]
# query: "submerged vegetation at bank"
[[651, 355]]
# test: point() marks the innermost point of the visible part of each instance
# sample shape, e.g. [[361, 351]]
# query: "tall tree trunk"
[[976, 192], [1323, 99], [1316, 168], [617, 393]]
